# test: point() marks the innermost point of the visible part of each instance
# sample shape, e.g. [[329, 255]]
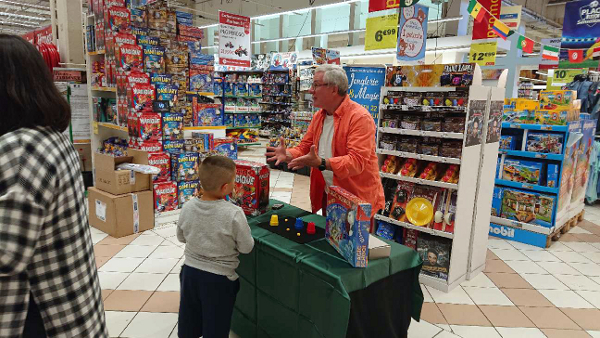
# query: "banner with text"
[[483, 53], [234, 40], [581, 29], [511, 16], [382, 5], [382, 32], [364, 87], [412, 36], [483, 29]]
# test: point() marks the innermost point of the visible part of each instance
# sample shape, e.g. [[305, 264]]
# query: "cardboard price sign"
[[381, 32], [483, 54]]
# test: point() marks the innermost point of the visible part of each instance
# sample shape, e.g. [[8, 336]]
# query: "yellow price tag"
[[95, 126], [382, 32], [484, 53], [563, 76]]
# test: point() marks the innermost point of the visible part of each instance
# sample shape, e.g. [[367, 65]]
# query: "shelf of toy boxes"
[[277, 99], [454, 192], [103, 130], [235, 92], [541, 168]]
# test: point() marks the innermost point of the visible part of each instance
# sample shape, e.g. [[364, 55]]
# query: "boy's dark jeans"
[[206, 304]]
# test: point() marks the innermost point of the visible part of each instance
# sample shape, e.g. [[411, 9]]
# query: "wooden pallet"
[[570, 224]]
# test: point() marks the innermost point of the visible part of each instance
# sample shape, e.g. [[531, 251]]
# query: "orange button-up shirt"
[[354, 162]]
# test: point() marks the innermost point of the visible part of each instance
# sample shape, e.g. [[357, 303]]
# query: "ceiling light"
[[21, 16], [18, 24], [25, 5]]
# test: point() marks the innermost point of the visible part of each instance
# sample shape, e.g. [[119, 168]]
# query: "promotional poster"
[[581, 29], [364, 87], [412, 36], [234, 40]]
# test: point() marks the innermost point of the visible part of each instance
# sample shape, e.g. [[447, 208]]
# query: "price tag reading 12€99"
[[382, 32], [483, 54]]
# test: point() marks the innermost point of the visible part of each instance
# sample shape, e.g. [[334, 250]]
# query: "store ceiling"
[[21, 16]]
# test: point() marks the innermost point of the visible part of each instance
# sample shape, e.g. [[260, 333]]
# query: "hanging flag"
[[525, 43], [550, 53], [596, 52], [500, 29], [575, 55], [476, 10]]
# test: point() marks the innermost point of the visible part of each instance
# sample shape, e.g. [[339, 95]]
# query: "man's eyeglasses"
[[316, 85]]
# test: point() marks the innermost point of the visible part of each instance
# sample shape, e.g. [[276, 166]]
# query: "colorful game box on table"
[[173, 146], [184, 167], [207, 114], [348, 223], [552, 175], [541, 142], [225, 147], [187, 191], [508, 142], [528, 207], [435, 253], [172, 126], [163, 162], [154, 59], [165, 196], [251, 190], [522, 171]]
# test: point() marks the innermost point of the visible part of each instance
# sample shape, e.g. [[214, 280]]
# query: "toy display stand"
[[276, 108], [474, 193], [568, 202]]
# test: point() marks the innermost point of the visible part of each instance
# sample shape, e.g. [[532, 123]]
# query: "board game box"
[[522, 171], [187, 191], [541, 142], [528, 207], [347, 228], [173, 146], [251, 190], [184, 167], [172, 126], [552, 175], [163, 162], [154, 59], [225, 147], [165, 197], [435, 253]]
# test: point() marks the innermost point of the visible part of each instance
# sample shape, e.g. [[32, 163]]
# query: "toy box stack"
[[347, 228], [121, 200], [251, 191], [555, 107]]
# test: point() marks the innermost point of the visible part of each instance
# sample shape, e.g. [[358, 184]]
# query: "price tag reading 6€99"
[[382, 32]]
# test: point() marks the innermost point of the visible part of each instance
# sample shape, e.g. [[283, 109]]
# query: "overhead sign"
[[234, 40], [412, 36], [382, 32], [484, 53], [558, 78], [364, 87], [483, 29], [381, 5], [581, 29], [511, 16]]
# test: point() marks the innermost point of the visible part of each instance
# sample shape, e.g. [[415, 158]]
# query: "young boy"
[[215, 232]]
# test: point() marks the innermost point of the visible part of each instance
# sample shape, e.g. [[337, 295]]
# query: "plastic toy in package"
[[207, 114], [225, 147], [522, 171]]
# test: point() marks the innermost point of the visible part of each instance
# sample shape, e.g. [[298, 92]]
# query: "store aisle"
[[524, 292]]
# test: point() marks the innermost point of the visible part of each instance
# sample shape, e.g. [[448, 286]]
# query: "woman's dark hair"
[[28, 96]]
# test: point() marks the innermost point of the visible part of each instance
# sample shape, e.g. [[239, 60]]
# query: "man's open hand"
[[309, 160]]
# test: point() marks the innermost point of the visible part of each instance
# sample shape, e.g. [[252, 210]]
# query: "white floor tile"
[[544, 282], [426, 295], [142, 281], [475, 331], [590, 270], [525, 267], [167, 252], [591, 296], [510, 255], [569, 299], [422, 329], [541, 256], [444, 327], [571, 257], [558, 247], [171, 283], [96, 231], [166, 231], [578, 230], [579, 283], [520, 332], [582, 247], [497, 243], [525, 247], [558, 268], [136, 251], [593, 256], [117, 321], [456, 296], [111, 280], [446, 334], [120, 264], [594, 334], [157, 265], [148, 240], [284, 184], [98, 237], [177, 267], [487, 296], [480, 281], [151, 325]]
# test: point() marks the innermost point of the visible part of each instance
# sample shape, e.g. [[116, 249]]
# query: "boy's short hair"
[[216, 171]]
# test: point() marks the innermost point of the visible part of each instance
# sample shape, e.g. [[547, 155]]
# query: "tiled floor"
[[524, 291]]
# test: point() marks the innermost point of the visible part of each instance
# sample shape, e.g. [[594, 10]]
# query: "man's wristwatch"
[[323, 165]]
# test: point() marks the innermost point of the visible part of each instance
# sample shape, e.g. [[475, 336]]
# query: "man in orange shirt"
[[339, 144]]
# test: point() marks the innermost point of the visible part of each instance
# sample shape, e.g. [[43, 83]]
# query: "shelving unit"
[[231, 112], [469, 236], [276, 114]]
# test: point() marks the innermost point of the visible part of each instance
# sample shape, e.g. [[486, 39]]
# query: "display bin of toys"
[[540, 167], [276, 103]]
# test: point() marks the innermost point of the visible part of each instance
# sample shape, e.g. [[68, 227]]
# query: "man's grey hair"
[[334, 76]]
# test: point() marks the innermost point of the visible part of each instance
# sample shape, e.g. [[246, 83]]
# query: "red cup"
[[310, 228]]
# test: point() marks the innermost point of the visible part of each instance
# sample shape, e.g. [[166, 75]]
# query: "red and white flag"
[[576, 55]]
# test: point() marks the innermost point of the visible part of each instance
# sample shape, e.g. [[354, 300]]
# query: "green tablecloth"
[[294, 290]]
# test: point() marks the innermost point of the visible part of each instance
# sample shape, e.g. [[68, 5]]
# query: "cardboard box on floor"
[[121, 215], [120, 181]]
